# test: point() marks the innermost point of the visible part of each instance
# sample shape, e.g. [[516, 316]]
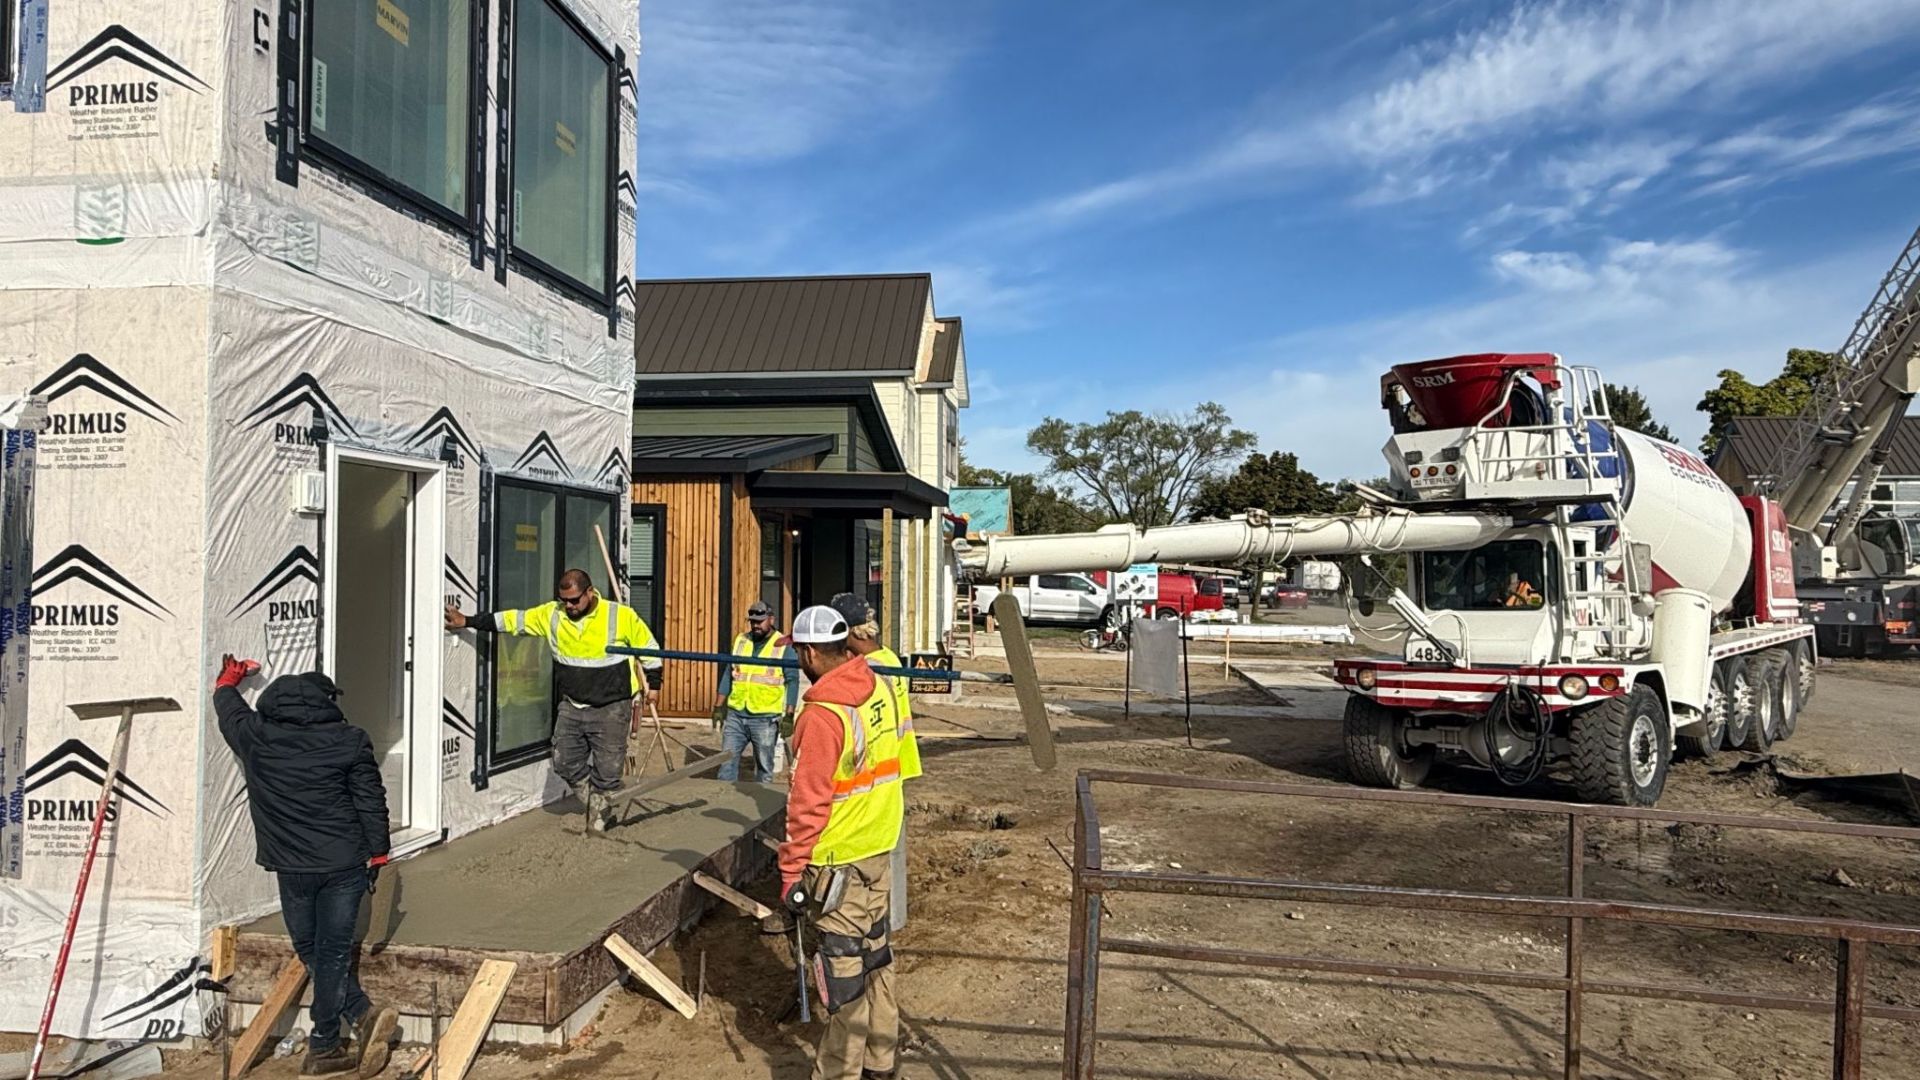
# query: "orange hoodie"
[[818, 738]]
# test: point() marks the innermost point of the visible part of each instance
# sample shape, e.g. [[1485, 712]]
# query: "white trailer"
[[1578, 593]]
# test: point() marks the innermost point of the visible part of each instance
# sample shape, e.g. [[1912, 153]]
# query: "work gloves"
[[233, 671], [793, 897], [373, 870], [786, 724], [719, 716]]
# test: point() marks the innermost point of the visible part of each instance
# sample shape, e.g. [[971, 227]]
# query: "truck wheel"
[[1166, 613], [1763, 696], [1110, 617], [1377, 755], [1708, 742], [1803, 653], [1787, 676], [1740, 701], [1621, 749]]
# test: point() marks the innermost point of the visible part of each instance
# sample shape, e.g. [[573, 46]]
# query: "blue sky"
[[1148, 204]]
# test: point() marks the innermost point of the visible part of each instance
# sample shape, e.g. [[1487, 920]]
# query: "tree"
[[1139, 467], [1786, 394], [1631, 411], [1273, 482]]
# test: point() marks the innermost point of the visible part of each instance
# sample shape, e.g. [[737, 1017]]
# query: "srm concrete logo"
[[117, 43]]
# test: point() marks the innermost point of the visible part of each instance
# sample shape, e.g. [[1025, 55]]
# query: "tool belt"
[[844, 962]]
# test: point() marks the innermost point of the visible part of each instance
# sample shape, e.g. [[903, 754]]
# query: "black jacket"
[[317, 800]]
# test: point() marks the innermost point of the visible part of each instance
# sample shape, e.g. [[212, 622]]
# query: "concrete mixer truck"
[[1579, 595]]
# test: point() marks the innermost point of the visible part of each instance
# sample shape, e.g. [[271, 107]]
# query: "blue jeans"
[[740, 729], [320, 910]]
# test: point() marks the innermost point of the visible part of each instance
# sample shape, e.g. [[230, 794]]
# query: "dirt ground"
[[982, 963]]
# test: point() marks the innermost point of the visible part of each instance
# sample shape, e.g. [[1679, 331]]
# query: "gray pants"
[[591, 742]]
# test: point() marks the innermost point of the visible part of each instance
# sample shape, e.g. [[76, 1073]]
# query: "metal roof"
[[779, 326], [946, 351], [1753, 443], [722, 453]]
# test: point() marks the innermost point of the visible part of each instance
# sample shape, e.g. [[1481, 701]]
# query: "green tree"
[[1786, 394], [1631, 411], [1038, 508], [1273, 482], [1143, 468]]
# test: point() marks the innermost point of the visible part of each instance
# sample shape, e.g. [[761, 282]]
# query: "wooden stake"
[[747, 904], [285, 992], [770, 843], [474, 1016], [419, 1067], [644, 970], [226, 941]]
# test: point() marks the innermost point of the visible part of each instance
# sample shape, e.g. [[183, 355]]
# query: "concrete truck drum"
[[1581, 598]]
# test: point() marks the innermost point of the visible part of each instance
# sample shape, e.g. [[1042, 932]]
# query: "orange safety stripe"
[[864, 781]]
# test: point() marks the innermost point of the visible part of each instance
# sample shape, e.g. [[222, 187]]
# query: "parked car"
[[1066, 599], [1282, 595]]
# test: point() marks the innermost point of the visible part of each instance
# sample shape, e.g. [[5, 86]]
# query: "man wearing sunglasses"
[[593, 689]]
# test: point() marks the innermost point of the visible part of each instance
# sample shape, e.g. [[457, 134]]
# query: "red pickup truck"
[[1181, 594]]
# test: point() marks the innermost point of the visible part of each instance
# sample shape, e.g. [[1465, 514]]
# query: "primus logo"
[[83, 372], [116, 42], [299, 565], [442, 429], [542, 458], [304, 390], [171, 991], [460, 588], [613, 471], [75, 758], [76, 564]]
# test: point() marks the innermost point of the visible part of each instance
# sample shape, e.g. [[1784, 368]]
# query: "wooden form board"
[[747, 904], [468, 1028], [286, 992], [226, 943], [644, 970]]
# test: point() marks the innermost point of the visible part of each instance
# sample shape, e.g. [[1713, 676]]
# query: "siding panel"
[[692, 572]]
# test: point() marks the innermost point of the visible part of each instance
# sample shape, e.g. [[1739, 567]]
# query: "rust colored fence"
[[1091, 882]]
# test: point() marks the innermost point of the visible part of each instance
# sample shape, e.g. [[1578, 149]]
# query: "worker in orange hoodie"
[[844, 815]]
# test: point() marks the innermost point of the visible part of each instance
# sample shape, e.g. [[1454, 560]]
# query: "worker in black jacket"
[[320, 825]]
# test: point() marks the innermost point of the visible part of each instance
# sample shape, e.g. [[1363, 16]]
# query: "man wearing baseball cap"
[[844, 814], [752, 698], [863, 638]]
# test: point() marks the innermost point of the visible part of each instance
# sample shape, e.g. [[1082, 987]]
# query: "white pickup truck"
[[1052, 598]]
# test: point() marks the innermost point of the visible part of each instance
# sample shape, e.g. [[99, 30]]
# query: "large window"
[[538, 531], [646, 562], [9, 11], [772, 565], [1507, 574], [562, 87], [389, 87]]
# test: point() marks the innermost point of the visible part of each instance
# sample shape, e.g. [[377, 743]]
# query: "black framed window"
[[388, 96], [9, 43], [563, 133], [647, 562], [772, 565], [539, 530]]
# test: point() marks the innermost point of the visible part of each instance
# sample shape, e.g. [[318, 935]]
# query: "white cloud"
[[989, 299], [741, 81], [1887, 125]]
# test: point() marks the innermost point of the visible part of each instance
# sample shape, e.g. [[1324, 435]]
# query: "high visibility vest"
[[868, 810], [902, 708], [758, 688], [583, 642]]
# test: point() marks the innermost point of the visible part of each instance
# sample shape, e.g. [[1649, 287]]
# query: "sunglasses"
[[573, 601]]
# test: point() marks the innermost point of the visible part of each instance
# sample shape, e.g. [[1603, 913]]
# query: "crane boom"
[[1875, 375], [1255, 535]]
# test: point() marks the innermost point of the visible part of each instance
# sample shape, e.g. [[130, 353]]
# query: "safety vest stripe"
[[885, 773]]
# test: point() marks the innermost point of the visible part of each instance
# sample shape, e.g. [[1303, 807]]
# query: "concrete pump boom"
[[1255, 535]]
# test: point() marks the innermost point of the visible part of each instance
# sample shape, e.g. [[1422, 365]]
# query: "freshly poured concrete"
[[538, 883]]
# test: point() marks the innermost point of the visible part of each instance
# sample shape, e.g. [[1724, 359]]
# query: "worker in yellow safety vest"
[[863, 638], [754, 702], [593, 689], [844, 816]]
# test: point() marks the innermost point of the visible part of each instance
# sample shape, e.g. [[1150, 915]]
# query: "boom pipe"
[[788, 662], [1252, 536]]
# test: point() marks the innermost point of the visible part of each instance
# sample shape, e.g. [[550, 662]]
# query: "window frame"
[[524, 261], [499, 761], [317, 150], [657, 512], [9, 41]]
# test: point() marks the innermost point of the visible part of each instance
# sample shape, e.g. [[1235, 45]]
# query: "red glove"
[[232, 671]]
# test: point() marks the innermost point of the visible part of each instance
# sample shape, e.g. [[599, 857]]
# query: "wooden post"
[[1226, 659], [458, 1047], [285, 993], [226, 941], [644, 970], [887, 620]]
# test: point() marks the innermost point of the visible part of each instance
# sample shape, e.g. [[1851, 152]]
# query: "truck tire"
[[1787, 711], [1763, 697], [1707, 743], [1166, 613], [1740, 700], [1622, 748], [1803, 653], [1376, 756]]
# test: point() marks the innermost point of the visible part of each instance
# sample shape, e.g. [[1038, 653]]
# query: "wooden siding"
[[746, 561], [691, 570]]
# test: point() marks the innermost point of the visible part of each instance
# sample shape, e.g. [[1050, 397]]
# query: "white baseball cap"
[[819, 624]]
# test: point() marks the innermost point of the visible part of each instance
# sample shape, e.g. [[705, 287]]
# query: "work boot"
[[374, 1037], [338, 1059], [876, 1074], [599, 811], [583, 793]]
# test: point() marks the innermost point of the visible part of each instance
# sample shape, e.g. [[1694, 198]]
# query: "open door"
[[382, 617]]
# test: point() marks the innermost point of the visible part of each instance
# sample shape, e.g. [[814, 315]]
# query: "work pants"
[[590, 742], [864, 1032], [320, 910], [737, 732]]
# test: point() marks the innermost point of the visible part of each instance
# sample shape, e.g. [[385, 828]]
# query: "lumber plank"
[[226, 945], [769, 842], [472, 1019], [747, 904], [285, 993], [644, 970], [419, 1066]]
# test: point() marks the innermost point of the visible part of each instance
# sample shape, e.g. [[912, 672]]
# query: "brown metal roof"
[[946, 351], [723, 453], [1754, 441], [779, 326]]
